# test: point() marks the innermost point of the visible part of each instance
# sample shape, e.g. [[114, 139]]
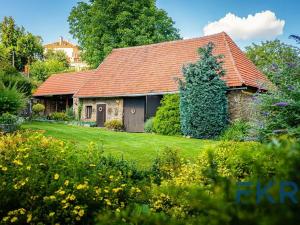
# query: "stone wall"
[[114, 108], [241, 105]]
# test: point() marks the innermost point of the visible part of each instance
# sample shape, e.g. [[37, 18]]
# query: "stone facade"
[[114, 108], [241, 105]]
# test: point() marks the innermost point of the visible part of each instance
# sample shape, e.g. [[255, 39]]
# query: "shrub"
[[22, 83], [203, 100], [47, 181], [41, 70], [9, 122], [38, 108], [60, 116], [148, 127], [167, 118], [115, 125], [70, 113], [11, 100], [237, 131]]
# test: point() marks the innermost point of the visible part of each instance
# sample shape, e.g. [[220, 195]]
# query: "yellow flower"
[[81, 213], [4, 168], [52, 197], [28, 167], [29, 217], [51, 214], [77, 218], [81, 186], [18, 163], [66, 182], [111, 177], [72, 197], [92, 165], [107, 201], [61, 192], [5, 219], [116, 190], [14, 219], [56, 176]]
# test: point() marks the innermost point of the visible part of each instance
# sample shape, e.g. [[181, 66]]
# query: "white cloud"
[[262, 25]]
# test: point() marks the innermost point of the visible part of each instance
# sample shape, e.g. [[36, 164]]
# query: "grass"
[[140, 147]]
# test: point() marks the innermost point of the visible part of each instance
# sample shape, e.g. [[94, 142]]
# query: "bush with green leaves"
[[22, 83], [237, 131], [60, 116], [70, 113], [47, 181], [38, 108], [11, 100], [203, 100], [9, 122], [280, 106], [115, 125], [41, 70], [148, 127], [167, 117]]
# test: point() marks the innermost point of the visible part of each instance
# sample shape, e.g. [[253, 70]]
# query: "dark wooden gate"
[[101, 114], [134, 114]]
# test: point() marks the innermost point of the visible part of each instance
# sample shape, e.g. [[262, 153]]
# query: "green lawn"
[[139, 147]]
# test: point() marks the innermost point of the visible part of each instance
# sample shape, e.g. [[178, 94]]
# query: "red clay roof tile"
[[154, 68]]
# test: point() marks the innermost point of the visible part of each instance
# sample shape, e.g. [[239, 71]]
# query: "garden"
[[191, 166]]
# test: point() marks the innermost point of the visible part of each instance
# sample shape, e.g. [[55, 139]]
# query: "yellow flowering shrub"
[[45, 180]]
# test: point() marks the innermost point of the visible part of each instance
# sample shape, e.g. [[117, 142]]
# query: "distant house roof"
[[63, 83], [154, 68], [61, 43]]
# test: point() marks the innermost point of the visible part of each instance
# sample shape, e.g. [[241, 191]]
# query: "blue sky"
[[48, 18]]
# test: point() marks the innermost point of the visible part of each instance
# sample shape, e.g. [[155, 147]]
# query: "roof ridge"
[[168, 42], [231, 58]]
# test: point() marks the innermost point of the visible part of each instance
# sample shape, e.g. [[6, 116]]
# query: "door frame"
[[105, 113]]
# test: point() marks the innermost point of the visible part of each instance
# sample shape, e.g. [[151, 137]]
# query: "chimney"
[[61, 40]]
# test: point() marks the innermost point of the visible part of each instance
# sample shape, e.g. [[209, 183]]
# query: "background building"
[[72, 51]]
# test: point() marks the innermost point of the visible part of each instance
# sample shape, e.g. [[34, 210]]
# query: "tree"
[[203, 101], [29, 48], [102, 25], [41, 70], [270, 55], [58, 56], [296, 38], [21, 47]]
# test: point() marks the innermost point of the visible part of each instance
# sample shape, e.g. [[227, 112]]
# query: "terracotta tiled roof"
[[62, 44], [155, 68], [63, 83]]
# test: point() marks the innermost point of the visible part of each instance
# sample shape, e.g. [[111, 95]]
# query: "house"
[[72, 52], [129, 84]]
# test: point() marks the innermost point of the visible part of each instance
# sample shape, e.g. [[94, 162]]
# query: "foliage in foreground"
[[167, 117], [203, 100], [237, 131], [47, 181], [11, 100]]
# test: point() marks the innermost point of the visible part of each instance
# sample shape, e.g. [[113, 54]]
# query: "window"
[[88, 112]]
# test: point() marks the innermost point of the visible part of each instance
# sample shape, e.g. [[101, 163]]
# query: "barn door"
[[101, 114], [134, 114]]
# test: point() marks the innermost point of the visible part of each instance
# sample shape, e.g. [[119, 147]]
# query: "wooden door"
[[134, 114], [101, 114]]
